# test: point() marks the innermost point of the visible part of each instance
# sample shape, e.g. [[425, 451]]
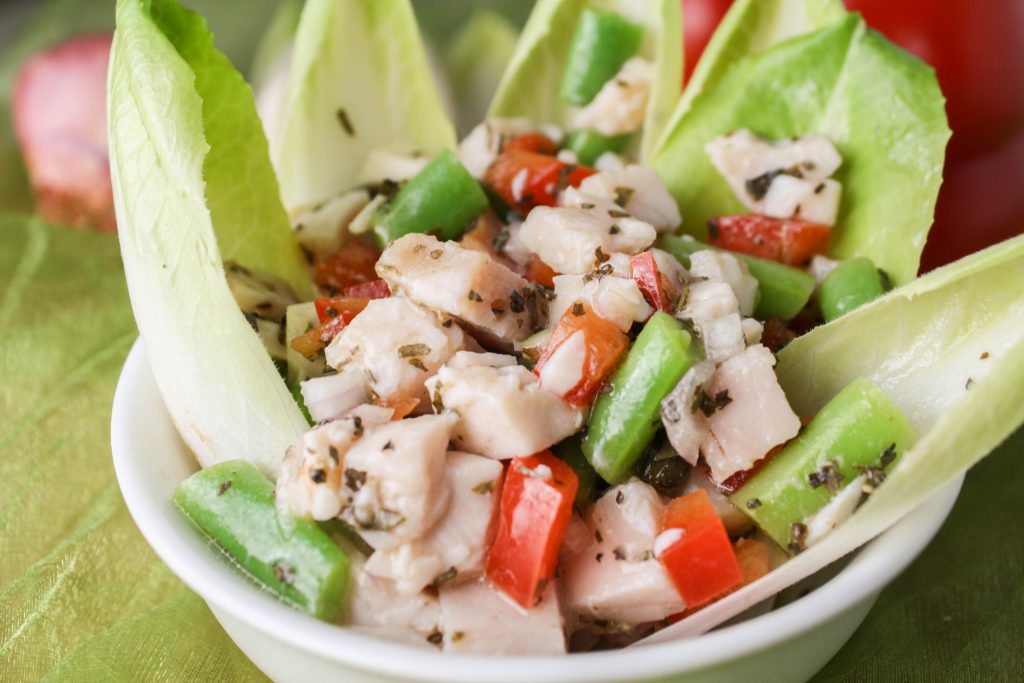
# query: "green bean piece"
[[441, 199], [601, 44], [852, 284], [588, 144], [571, 453], [232, 503], [860, 431]]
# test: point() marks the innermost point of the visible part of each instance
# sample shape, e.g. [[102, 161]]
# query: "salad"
[[546, 389]]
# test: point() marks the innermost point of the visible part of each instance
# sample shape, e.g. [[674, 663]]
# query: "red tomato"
[[603, 342], [531, 142], [375, 289], [350, 265], [536, 504], [656, 288], [345, 307], [541, 273], [788, 241], [702, 564], [545, 176], [700, 18]]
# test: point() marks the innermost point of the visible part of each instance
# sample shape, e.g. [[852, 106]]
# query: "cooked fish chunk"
[[816, 202], [481, 147], [722, 337], [684, 426], [754, 416], [375, 606], [639, 191], [322, 229], [394, 481], [502, 409], [671, 268], [331, 396], [723, 267], [497, 304], [617, 576], [620, 105], [708, 300], [736, 522], [476, 619], [749, 163], [397, 345], [579, 240], [616, 299], [455, 547]]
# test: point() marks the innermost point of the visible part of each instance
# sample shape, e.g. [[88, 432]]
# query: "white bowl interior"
[[150, 459]]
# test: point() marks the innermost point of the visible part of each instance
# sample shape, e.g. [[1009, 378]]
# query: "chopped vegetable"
[[625, 418], [860, 431], [588, 144], [784, 290], [536, 503], [700, 560], [658, 289], [375, 289], [570, 451], [851, 284], [351, 265], [601, 44], [789, 241], [528, 179], [293, 559], [530, 142], [442, 198]]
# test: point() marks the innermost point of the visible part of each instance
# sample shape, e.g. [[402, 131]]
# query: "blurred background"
[[976, 48]]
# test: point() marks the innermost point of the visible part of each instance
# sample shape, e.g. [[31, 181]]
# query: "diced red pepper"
[[531, 142], [702, 564], [604, 345], [375, 289], [752, 556], [659, 291], [544, 178], [788, 241], [334, 313], [536, 504], [352, 264], [541, 273]]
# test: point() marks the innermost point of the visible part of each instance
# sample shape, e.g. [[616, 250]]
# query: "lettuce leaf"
[[361, 60], [193, 186], [530, 86], [949, 350], [880, 106]]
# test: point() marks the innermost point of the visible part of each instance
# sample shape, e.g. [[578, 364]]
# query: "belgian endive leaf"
[[880, 106], [474, 62], [359, 80], [530, 86], [193, 186], [949, 350]]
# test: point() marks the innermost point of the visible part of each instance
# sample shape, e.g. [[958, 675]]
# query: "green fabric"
[[82, 597]]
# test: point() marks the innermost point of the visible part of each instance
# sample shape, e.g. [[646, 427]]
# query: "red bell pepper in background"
[[656, 288], [788, 241], [352, 264], [604, 345], [541, 273], [531, 142], [545, 176], [536, 504], [702, 564]]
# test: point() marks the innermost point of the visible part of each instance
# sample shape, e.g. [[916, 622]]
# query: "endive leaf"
[[530, 86], [949, 350], [474, 63], [193, 186], [880, 106], [359, 80]]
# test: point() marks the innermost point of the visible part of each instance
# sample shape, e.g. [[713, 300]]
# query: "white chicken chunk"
[[750, 164], [616, 299], [617, 576], [503, 411], [723, 267], [476, 619], [620, 105], [455, 547], [639, 191], [815, 202], [397, 345], [497, 304], [680, 413], [579, 240], [376, 607], [323, 228], [481, 147], [309, 480], [394, 483], [750, 413]]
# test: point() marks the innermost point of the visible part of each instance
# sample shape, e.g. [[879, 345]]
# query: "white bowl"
[[789, 643]]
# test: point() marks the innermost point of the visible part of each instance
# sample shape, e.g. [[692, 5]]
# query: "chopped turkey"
[[616, 299], [323, 228], [502, 409], [394, 483], [751, 164], [843, 504], [815, 202], [483, 144], [749, 413], [617, 576], [724, 267], [455, 547], [579, 240], [397, 345], [476, 619], [680, 412], [499, 305], [638, 190], [620, 105]]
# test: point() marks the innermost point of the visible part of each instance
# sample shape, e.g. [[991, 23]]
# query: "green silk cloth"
[[84, 598]]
